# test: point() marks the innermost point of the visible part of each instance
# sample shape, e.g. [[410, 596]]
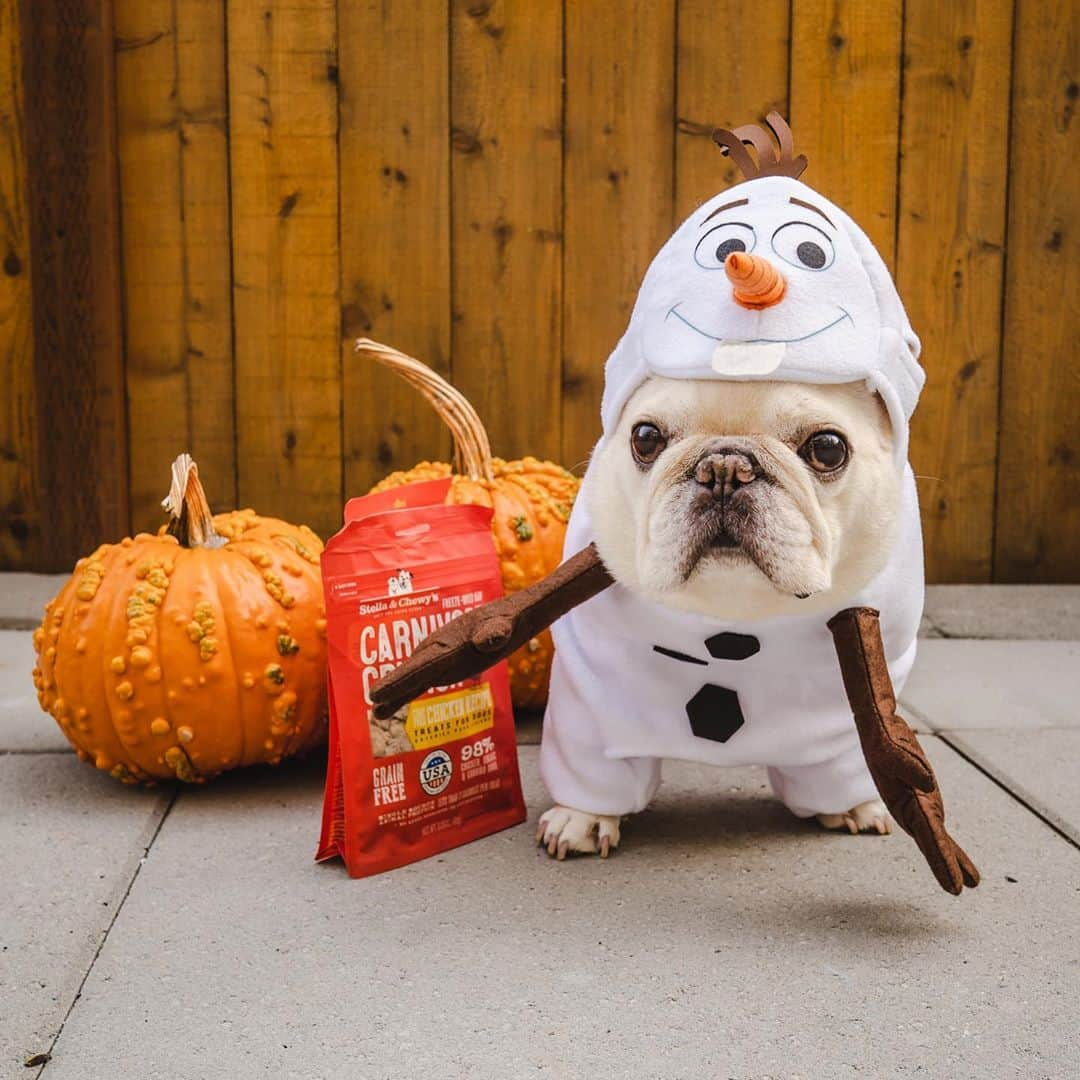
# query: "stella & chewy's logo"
[[399, 584], [435, 772]]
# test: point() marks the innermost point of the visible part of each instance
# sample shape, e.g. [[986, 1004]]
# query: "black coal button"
[[714, 713], [732, 646]]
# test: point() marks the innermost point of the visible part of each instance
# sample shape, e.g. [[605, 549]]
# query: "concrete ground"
[[187, 934]]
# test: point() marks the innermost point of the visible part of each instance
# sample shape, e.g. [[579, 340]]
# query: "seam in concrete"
[[108, 929], [12, 622], [44, 750], [1007, 784], [930, 629], [1010, 730], [952, 738]]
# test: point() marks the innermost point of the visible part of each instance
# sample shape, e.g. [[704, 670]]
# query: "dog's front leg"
[[839, 792], [577, 773], [562, 830]]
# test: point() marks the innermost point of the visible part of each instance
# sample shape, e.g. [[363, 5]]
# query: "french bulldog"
[[742, 504]]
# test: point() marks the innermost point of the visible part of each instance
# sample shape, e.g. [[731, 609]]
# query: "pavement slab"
[[1039, 767], [1011, 612], [24, 596], [961, 685], [725, 939], [70, 842], [23, 725]]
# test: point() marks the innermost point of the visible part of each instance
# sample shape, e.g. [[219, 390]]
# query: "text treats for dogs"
[[442, 770]]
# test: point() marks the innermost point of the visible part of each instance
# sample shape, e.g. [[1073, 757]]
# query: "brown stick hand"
[[468, 645], [896, 761]]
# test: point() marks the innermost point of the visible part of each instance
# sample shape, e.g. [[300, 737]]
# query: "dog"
[[755, 507], [751, 481]]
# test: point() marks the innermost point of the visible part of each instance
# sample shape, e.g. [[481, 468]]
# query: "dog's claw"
[[869, 817], [563, 831]]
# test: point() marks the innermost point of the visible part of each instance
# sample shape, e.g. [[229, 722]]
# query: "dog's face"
[[746, 500]]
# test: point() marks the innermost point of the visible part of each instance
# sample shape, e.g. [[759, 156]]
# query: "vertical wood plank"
[[1038, 498], [845, 107], [950, 254], [395, 228], [732, 69], [506, 182], [619, 177], [282, 66], [78, 326], [20, 518], [174, 177]]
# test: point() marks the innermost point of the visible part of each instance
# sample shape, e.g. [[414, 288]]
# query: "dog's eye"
[[825, 451], [647, 443]]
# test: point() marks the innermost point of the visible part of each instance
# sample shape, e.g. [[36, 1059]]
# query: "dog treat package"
[[442, 770]]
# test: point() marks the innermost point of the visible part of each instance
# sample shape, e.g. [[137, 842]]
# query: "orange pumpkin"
[[190, 652], [531, 501]]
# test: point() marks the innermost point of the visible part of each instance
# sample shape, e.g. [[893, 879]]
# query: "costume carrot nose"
[[756, 282]]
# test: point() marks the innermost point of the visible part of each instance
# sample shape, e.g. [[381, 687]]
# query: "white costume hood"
[[840, 318]]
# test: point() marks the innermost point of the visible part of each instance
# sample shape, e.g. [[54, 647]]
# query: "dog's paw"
[[562, 830], [866, 817]]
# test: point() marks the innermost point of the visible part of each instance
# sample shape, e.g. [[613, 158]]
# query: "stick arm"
[[896, 760], [475, 641]]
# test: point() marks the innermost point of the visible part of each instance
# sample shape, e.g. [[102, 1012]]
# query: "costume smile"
[[673, 310]]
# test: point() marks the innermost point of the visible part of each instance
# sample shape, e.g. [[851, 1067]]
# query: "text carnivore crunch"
[[442, 770]]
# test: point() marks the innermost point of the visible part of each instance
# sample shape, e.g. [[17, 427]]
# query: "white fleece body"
[[617, 707]]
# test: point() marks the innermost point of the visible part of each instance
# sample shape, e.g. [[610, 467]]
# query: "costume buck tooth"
[[634, 682]]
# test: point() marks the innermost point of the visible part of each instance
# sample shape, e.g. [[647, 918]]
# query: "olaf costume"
[[634, 682]]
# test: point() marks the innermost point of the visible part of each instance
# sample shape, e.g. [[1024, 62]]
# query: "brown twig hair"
[[771, 161]]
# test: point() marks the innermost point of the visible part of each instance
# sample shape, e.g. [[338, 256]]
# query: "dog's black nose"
[[726, 469]]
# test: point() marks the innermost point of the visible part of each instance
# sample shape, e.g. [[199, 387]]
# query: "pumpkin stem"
[[472, 451], [191, 521]]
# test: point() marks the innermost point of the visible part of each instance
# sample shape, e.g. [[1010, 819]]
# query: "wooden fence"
[[205, 201]]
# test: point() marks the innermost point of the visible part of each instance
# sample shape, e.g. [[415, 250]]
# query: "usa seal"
[[435, 772]]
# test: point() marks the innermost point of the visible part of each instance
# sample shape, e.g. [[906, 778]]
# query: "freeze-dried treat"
[[388, 734]]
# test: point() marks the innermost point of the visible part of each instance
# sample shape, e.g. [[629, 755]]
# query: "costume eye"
[[647, 443], [719, 242], [803, 245], [825, 451]]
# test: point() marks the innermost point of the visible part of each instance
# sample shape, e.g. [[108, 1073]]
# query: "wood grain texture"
[[506, 247], [845, 107], [395, 229], [282, 67], [1038, 496], [618, 184], [950, 262], [174, 177], [74, 229], [20, 513], [732, 69], [482, 183]]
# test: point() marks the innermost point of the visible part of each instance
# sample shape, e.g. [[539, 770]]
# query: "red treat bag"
[[443, 770]]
